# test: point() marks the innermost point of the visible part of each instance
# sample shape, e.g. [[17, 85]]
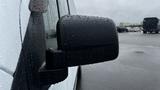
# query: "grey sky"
[[132, 11]]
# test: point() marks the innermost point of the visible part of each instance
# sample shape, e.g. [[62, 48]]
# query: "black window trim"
[[68, 5], [58, 9]]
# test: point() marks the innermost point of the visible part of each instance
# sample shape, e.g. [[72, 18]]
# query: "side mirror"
[[83, 40]]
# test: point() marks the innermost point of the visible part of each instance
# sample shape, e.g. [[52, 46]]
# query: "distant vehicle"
[[150, 24], [136, 29], [120, 29]]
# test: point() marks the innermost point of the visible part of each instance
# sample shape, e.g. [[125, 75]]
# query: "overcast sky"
[[132, 11]]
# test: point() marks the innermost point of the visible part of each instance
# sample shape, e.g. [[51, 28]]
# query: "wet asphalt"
[[136, 68]]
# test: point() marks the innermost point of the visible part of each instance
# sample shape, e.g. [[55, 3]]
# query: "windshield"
[[138, 64]]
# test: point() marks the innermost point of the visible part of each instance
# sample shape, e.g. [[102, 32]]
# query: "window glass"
[[72, 7], [63, 7], [50, 21]]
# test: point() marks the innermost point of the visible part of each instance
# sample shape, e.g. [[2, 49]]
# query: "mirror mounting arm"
[[55, 59], [55, 69]]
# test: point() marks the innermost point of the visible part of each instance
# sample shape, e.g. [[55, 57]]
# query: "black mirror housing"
[[81, 40], [87, 39]]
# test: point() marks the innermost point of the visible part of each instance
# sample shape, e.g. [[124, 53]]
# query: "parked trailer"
[[150, 24]]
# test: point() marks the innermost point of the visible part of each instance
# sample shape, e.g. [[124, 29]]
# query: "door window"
[[72, 7], [50, 21], [63, 7]]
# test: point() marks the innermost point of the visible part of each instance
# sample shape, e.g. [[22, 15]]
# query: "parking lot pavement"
[[136, 68]]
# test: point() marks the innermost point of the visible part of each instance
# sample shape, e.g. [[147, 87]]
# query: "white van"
[[27, 27]]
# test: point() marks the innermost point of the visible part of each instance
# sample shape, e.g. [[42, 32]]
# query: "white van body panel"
[[10, 42], [10, 39], [67, 84], [5, 81], [25, 14]]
